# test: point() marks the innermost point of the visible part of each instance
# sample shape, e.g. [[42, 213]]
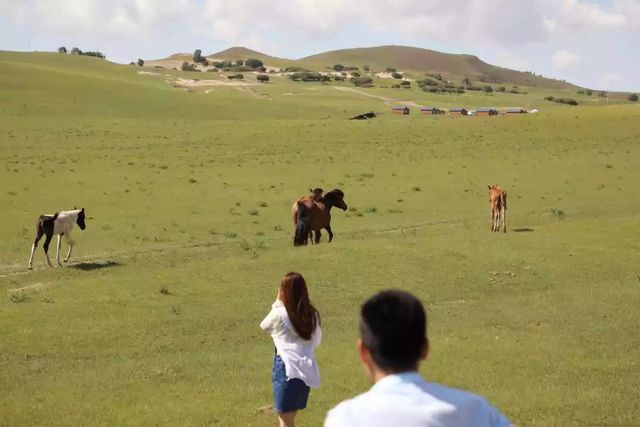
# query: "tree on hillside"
[[188, 67], [487, 89], [633, 97], [262, 78], [390, 70], [239, 63], [253, 63], [76, 51], [466, 82], [366, 68], [140, 62], [62, 49], [362, 81], [338, 67], [396, 75], [602, 93], [588, 92], [197, 56]]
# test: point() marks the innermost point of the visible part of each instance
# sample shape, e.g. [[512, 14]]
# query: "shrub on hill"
[[76, 51], [366, 68], [502, 89], [487, 89], [307, 76], [238, 76], [362, 81], [253, 63], [338, 67], [435, 76], [633, 97], [466, 82], [140, 62], [262, 78], [294, 69], [62, 49], [580, 92], [212, 70], [427, 82], [396, 75], [568, 101], [405, 84], [188, 67], [339, 78], [355, 74], [390, 70], [588, 92]]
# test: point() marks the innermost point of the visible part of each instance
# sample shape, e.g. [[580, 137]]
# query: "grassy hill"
[[453, 66], [155, 320], [403, 58]]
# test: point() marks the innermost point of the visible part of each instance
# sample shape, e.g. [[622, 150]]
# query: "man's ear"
[[363, 352], [425, 349]]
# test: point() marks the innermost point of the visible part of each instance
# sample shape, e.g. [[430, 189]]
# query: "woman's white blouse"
[[296, 352]]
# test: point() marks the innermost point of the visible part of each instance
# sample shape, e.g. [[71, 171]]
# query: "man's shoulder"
[[420, 401]]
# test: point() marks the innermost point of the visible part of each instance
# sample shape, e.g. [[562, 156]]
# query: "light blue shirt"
[[407, 400]]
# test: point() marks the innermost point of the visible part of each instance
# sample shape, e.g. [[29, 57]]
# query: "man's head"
[[393, 333]]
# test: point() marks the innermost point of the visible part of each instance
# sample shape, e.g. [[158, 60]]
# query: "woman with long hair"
[[294, 325]]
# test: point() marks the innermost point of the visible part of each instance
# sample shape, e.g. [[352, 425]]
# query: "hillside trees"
[[254, 63], [62, 49], [338, 67], [140, 62], [262, 78], [633, 97], [362, 81], [396, 75], [197, 56]]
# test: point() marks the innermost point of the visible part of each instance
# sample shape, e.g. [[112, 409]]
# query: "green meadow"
[[155, 319]]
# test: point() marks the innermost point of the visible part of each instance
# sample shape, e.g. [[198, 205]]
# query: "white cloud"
[[563, 59], [583, 16]]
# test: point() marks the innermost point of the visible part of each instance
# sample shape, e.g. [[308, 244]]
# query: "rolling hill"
[[403, 58]]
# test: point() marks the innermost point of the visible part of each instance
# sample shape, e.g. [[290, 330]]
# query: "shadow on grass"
[[90, 266], [523, 230]]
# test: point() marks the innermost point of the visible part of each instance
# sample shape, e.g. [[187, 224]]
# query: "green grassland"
[[155, 320]]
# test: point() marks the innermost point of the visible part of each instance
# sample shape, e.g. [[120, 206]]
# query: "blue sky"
[[588, 43]]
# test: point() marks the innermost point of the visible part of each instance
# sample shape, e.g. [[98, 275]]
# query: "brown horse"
[[312, 216], [498, 199]]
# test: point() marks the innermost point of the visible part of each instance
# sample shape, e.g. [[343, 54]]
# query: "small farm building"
[[516, 111], [431, 110], [458, 111], [401, 110], [485, 111]]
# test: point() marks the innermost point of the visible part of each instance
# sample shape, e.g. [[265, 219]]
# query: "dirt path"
[[386, 100]]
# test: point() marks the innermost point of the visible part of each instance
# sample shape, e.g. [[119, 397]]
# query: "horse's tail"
[[302, 225]]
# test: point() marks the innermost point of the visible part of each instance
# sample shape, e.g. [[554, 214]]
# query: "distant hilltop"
[[454, 67]]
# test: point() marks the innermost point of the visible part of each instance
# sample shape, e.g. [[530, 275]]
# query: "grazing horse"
[[309, 215], [59, 224], [498, 199]]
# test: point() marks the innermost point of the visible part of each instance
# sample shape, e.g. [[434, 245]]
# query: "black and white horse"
[[59, 224]]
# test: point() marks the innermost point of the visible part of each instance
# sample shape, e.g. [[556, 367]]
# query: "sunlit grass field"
[[155, 320]]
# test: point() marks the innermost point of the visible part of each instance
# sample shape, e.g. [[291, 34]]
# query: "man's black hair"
[[393, 326]]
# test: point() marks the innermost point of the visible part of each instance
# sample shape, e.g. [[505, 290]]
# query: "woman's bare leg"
[[287, 419]]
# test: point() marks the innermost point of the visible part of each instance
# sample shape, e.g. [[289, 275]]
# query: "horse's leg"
[[493, 219], [328, 228], [46, 247], [70, 243], [58, 249], [504, 220], [39, 235], [318, 234]]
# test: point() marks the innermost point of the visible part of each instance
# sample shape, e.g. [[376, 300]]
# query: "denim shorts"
[[288, 396]]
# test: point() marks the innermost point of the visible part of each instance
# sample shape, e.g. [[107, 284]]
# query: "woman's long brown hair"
[[302, 314]]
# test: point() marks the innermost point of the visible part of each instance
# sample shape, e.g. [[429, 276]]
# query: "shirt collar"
[[394, 380]]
